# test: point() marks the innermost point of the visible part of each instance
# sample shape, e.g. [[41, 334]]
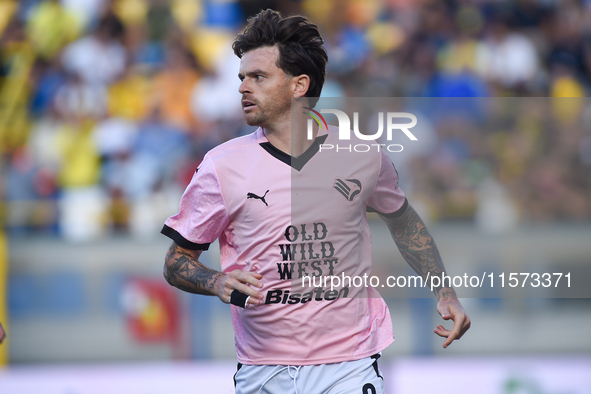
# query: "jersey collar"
[[297, 163]]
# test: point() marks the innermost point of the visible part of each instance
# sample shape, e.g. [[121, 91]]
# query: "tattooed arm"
[[183, 270], [419, 250]]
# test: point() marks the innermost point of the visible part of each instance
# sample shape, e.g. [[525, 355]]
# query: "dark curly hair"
[[299, 43]]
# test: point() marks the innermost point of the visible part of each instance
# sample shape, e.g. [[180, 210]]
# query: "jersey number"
[[368, 388]]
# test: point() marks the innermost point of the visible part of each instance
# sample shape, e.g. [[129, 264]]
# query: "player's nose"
[[244, 87]]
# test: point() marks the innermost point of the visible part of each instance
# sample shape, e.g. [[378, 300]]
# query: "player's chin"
[[252, 120]]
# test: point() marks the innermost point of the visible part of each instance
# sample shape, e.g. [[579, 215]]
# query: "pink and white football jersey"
[[287, 218]]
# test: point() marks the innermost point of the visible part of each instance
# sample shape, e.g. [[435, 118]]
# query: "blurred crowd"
[[108, 106]]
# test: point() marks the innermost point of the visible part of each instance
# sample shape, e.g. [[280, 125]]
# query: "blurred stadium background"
[[107, 107]]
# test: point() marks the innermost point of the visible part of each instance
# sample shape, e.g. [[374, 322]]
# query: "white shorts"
[[349, 377]]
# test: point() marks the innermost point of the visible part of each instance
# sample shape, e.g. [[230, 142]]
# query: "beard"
[[257, 119], [269, 111]]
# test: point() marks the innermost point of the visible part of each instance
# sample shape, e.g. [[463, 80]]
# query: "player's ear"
[[300, 85]]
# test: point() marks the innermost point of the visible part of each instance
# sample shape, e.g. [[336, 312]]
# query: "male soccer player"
[[283, 211]]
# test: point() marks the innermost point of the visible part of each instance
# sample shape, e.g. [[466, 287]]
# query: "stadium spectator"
[[159, 65]]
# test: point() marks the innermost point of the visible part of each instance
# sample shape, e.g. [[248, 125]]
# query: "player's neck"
[[286, 139]]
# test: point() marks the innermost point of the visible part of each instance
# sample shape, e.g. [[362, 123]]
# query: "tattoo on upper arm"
[[415, 244], [184, 271]]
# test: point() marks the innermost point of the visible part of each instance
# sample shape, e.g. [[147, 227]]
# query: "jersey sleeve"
[[387, 197], [202, 214]]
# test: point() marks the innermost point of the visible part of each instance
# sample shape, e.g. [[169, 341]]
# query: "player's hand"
[[449, 308], [243, 281]]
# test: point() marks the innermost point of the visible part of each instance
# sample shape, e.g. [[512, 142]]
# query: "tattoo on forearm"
[[417, 246], [448, 293], [184, 271]]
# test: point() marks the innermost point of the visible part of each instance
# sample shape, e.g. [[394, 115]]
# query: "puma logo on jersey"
[[252, 195], [349, 188]]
